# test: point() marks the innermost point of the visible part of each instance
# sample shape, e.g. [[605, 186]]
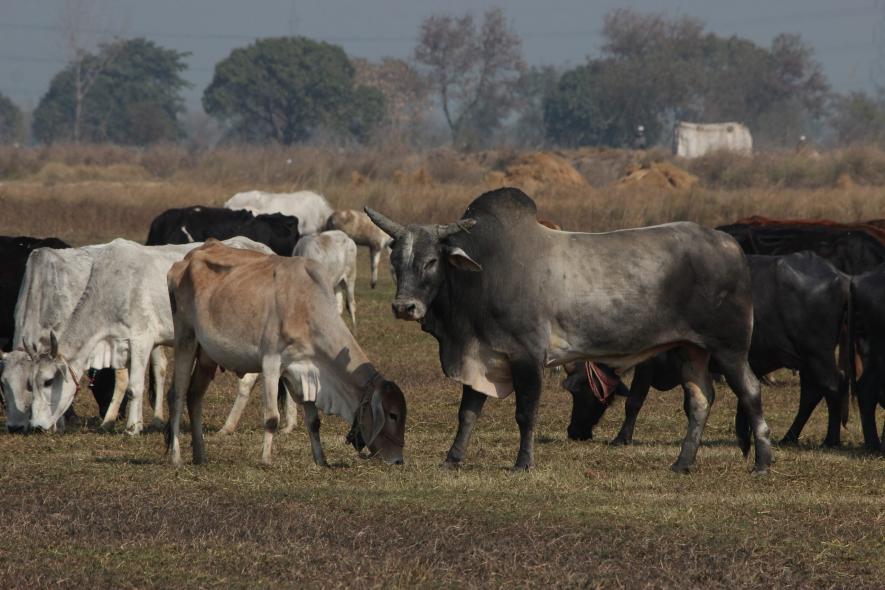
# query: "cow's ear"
[[459, 259], [53, 345]]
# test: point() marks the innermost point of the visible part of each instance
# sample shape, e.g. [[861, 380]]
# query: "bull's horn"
[[389, 226], [444, 231]]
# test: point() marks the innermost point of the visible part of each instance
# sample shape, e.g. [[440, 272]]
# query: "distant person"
[[639, 142], [801, 145]]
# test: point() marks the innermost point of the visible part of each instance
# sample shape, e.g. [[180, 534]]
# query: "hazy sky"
[[848, 35]]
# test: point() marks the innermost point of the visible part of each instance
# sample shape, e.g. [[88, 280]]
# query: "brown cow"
[[277, 315], [361, 230]]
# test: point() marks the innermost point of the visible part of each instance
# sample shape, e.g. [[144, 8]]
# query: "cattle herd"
[[259, 286]]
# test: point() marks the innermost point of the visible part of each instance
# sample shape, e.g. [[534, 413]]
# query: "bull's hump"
[[504, 203]]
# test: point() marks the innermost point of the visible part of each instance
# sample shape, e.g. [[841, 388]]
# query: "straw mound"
[[657, 176], [534, 170]]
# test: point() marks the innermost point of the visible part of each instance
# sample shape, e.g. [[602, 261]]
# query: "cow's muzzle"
[[408, 309]]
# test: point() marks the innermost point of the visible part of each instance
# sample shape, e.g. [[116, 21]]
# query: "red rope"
[[603, 386]]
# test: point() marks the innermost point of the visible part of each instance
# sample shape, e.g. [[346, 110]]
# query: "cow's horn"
[[389, 226], [444, 231]]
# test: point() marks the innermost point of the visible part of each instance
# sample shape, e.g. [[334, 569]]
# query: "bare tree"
[[87, 24], [474, 71], [406, 92]]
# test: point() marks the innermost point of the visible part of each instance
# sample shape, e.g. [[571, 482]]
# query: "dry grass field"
[[107, 510]]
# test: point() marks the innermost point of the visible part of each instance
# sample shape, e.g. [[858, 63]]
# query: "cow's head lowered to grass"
[[419, 259], [54, 386]]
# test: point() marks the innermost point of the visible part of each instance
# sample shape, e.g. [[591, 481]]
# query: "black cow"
[[868, 291], [800, 305], [852, 251], [197, 224], [14, 252]]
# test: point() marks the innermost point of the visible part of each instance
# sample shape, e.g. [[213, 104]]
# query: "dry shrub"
[[600, 166], [448, 166], [54, 172]]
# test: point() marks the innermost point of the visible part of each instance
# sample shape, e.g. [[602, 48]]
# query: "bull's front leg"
[[527, 382], [472, 402]]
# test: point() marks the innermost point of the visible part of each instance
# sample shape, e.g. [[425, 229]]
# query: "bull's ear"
[[388, 226], [459, 259], [53, 344]]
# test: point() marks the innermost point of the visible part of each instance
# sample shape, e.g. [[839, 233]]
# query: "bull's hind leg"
[[743, 382], [699, 396], [204, 371], [469, 411], [270, 371], [244, 388], [185, 353]]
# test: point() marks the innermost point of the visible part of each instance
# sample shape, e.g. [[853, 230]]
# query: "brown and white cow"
[[251, 312], [361, 230]]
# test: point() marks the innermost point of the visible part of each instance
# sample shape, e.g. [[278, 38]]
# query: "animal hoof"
[[107, 427], [789, 441], [621, 442], [450, 465], [521, 467], [680, 468], [759, 471]]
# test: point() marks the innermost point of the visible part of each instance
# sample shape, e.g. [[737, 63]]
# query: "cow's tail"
[[847, 352]]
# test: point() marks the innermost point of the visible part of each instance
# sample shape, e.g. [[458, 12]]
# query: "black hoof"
[[759, 471], [450, 465], [521, 467], [621, 442], [680, 468]]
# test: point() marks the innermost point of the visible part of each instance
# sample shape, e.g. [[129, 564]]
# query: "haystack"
[[535, 170], [657, 176]]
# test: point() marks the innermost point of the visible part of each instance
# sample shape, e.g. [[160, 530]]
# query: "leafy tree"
[[474, 72], [534, 86], [858, 118], [659, 70], [287, 88], [11, 126], [135, 97]]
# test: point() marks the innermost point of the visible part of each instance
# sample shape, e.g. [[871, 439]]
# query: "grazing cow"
[[851, 249], [311, 209], [481, 287], [337, 253], [16, 252], [363, 232], [198, 224], [122, 315], [696, 139], [248, 312], [800, 304], [868, 293], [50, 288]]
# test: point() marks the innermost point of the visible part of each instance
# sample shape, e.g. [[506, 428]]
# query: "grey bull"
[[481, 287]]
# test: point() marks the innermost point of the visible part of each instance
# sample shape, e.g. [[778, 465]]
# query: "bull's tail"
[[847, 352]]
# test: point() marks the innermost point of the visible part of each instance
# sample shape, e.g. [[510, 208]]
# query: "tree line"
[[651, 71]]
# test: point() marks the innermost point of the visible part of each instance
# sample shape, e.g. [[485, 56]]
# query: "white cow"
[[337, 253], [694, 139], [52, 284], [311, 209], [121, 316], [363, 232]]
